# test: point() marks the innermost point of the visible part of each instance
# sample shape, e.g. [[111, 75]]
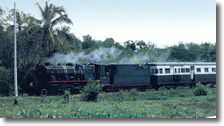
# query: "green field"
[[179, 103]]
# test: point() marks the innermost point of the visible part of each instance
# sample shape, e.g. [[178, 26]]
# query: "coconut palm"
[[1, 14], [1, 11], [52, 16]]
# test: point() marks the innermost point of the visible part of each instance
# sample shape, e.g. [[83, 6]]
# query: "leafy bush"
[[201, 90], [66, 96], [133, 94], [6, 78], [91, 91], [121, 95], [162, 88]]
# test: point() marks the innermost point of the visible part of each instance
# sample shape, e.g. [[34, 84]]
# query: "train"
[[54, 79]]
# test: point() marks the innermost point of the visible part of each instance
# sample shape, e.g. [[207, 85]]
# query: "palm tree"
[[52, 16], [1, 14], [1, 11]]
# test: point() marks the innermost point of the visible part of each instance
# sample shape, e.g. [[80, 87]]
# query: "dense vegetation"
[[178, 103], [91, 91], [45, 39]]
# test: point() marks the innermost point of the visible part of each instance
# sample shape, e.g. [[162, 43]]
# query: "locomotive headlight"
[[31, 84]]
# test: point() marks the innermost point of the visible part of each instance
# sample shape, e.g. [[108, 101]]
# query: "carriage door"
[[96, 72], [109, 74], [176, 74], [192, 74], [153, 77]]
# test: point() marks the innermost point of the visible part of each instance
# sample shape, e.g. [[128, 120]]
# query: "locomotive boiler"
[[54, 79]]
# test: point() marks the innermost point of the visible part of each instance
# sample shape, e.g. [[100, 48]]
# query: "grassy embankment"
[[179, 103]]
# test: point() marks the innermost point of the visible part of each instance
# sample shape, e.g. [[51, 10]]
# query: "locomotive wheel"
[[44, 92]]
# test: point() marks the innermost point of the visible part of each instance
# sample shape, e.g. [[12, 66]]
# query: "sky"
[[163, 22]]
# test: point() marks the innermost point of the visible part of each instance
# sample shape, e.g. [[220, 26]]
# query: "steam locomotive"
[[54, 79]]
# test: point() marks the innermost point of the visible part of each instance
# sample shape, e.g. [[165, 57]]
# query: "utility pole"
[[15, 58]]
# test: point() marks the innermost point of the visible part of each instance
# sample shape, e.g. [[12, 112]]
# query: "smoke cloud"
[[103, 55]]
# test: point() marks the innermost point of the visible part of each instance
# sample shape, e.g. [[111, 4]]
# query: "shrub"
[[162, 88], [91, 91], [6, 81], [133, 94], [66, 96], [121, 95], [201, 90]]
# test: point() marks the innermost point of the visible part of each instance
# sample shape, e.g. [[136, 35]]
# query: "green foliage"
[[66, 96], [121, 95], [89, 44], [108, 43], [91, 91], [201, 90], [6, 79], [162, 88], [130, 45], [108, 108], [134, 94], [126, 95], [52, 16], [193, 52]]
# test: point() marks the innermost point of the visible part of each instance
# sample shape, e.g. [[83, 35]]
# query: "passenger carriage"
[[155, 75], [173, 74]]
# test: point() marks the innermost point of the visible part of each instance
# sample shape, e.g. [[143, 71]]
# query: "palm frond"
[[57, 11], [41, 10], [64, 34], [50, 12], [58, 42], [46, 10], [61, 19], [1, 11], [34, 20]]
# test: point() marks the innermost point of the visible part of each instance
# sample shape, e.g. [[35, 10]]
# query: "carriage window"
[[206, 69], [160, 70], [178, 70], [198, 69], [183, 70], [167, 70], [156, 71], [213, 69], [175, 70], [187, 70]]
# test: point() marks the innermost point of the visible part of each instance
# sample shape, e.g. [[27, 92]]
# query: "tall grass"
[[122, 104]]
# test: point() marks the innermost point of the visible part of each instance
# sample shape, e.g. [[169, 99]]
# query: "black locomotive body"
[[55, 79], [51, 79]]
